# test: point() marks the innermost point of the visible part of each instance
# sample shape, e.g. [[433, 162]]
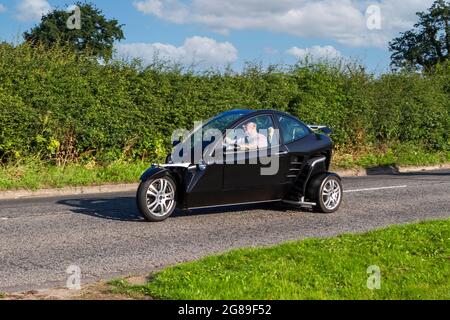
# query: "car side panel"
[[204, 187], [310, 144], [300, 152]]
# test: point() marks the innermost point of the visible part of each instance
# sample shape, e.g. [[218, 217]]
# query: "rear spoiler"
[[325, 129]]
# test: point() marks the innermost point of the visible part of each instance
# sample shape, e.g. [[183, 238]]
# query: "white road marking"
[[374, 189]]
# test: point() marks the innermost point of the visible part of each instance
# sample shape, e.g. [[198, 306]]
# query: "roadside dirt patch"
[[94, 291]]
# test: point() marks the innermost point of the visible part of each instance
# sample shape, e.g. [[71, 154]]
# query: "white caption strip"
[[374, 189]]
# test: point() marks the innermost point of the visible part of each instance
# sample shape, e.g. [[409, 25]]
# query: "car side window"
[[257, 132], [292, 129]]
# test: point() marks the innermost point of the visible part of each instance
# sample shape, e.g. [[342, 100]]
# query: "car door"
[[257, 174], [300, 141]]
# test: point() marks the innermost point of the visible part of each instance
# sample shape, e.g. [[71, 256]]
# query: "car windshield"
[[220, 123]]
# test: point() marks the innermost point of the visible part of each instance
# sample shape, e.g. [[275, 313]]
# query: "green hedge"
[[61, 107]]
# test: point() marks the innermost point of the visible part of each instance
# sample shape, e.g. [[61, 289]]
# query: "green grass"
[[414, 261], [402, 155], [37, 175]]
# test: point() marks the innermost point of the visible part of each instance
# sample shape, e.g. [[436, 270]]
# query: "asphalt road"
[[105, 236]]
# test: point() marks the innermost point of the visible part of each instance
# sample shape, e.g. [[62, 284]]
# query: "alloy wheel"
[[160, 197], [331, 194]]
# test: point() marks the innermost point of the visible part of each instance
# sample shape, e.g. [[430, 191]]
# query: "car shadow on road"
[[124, 208], [119, 208]]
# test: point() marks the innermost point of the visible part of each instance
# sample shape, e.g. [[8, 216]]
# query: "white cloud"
[[32, 10], [315, 52], [171, 10], [2, 8], [194, 51], [343, 21], [270, 51]]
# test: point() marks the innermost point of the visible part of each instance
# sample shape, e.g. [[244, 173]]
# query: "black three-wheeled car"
[[301, 155]]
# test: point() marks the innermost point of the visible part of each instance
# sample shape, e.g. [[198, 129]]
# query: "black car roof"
[[246, 112], [238, 111]]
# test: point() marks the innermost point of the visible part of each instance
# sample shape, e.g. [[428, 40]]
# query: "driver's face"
[[249, 128]]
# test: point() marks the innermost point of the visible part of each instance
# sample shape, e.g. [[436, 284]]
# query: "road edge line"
[[67, 191]]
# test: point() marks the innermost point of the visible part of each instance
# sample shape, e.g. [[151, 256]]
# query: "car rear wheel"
[[156, 198], [327, 190]]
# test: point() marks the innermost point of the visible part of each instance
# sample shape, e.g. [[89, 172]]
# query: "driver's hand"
[[248, 147], [228, 146]]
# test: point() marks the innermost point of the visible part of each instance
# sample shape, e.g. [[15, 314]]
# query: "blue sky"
[[215, 32]]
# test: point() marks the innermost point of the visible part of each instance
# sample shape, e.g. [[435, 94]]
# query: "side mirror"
[[175, 143], [202, 166], [326, 130]]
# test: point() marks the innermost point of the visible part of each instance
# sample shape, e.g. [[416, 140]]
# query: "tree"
[[94, 34], [428, 43]]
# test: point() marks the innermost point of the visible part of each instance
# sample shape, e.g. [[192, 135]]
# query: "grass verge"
[[399, 155], [32, 174], [37, 175], [414, 261]]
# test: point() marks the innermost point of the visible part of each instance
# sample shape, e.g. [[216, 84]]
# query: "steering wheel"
[[231, 147]]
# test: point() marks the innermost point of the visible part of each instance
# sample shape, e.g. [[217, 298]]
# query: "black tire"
[[316, 191], [143, 201]]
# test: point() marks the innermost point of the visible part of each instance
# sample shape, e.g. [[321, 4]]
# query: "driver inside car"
[[251, 139]]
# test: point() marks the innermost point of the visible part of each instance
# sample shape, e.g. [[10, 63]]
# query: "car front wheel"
[[156, 198]]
